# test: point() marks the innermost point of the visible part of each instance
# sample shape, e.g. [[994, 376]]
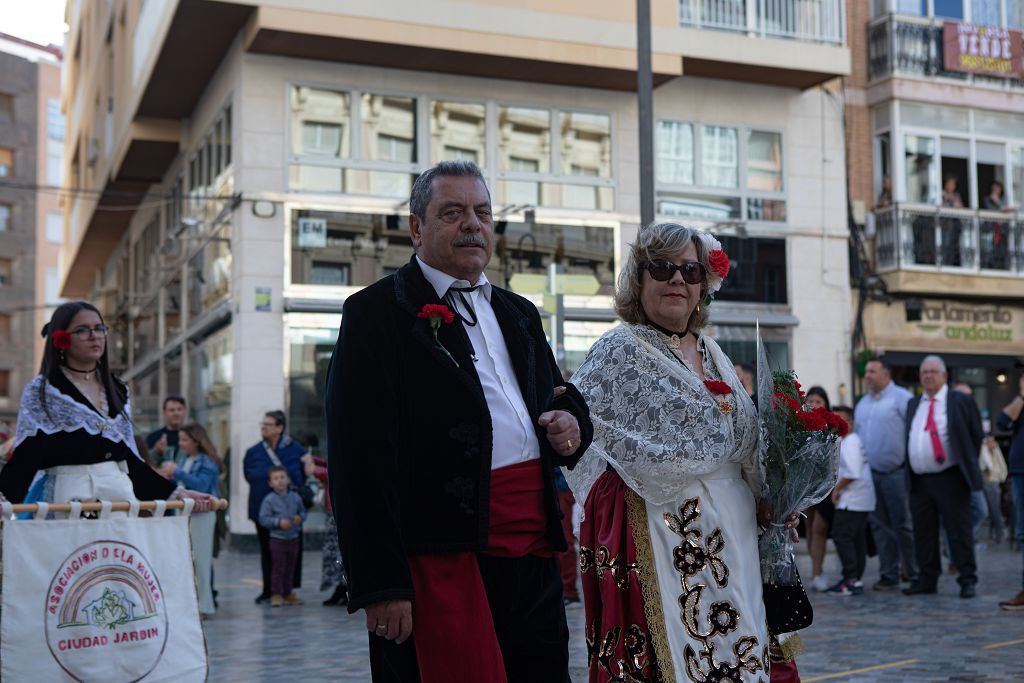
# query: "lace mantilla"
[[68, 415], [654, 420]]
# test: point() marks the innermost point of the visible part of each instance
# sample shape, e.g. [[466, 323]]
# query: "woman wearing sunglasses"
[[74, 423], [671, 576]]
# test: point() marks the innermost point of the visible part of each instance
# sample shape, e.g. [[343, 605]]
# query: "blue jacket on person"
[[200, 474], [257, 465], [276, 507]]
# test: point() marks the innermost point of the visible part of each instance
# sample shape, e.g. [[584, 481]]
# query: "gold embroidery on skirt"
[[690, 558], [648, 580]]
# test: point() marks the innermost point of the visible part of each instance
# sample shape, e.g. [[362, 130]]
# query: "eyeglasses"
[[84, 332], [692, 271], [269, 424]]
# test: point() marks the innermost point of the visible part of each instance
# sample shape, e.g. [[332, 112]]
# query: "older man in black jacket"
[[446, 413], [944, 436]]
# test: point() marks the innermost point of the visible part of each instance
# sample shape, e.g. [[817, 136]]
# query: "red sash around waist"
[[450, 613]]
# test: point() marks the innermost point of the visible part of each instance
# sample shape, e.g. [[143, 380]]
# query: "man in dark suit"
[[446, 413], [944, 436]]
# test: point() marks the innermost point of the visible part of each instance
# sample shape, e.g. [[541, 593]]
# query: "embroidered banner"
[[110, 600]]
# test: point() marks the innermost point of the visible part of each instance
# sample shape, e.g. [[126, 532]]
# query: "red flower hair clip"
[[61, 340], [718, 261]]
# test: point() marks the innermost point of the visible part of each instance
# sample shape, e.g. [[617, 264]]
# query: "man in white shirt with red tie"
[[944, 436]]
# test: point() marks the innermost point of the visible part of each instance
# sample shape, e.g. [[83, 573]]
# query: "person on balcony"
[[951, 227], [885, 196]]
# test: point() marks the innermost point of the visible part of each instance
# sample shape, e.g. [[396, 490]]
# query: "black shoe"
[[570, 601], [919, 589], [968, 591], [338, 597], [886, 585], [262, 598]]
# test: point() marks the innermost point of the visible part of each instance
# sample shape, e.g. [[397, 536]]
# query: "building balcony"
[[920, 248], [817, 21], [912, 47]]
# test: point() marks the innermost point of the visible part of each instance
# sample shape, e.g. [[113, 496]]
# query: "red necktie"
[[933, 431]]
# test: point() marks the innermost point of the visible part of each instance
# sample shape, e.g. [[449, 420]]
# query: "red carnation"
[[61, 340], [813, 421], [439, 311], [718, 387], [799, 390], [718, 261]]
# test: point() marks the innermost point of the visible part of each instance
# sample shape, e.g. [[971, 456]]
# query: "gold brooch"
[[725, 407]]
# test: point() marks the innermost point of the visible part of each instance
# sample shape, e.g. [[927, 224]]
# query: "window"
[[388, 127], [5, 326], [52, 283], [54, 227], [54, 168], [55, 119], [5, 272], [586, 144], [675, 153], [5, 383], [6, 162], [344, 249], [719, 156], [949, 9], [759, 270], [702, 178], [328, 273], [524, 139], [320, 122], [6, 107], [5, 217], [459, 132], [921, 169]]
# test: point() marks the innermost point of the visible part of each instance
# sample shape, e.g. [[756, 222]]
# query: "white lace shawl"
[[654, 420], [68, 415]]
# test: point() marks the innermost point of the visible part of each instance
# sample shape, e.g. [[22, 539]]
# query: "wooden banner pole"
[[117, 506]]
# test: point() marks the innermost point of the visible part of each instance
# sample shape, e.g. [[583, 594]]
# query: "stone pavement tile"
[[944, 634]]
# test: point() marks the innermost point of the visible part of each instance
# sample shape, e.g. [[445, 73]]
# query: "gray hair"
[[937, 359], [422, 189], [655, 242]]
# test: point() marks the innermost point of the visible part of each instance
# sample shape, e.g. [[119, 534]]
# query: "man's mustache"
[[475, 240]]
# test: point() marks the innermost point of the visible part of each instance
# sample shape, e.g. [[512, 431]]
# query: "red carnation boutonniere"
[[438, 314], [61, 340], [720, 389], [718, 261]]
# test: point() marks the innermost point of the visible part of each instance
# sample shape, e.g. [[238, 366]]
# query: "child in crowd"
[[282, 513], [854, 498]]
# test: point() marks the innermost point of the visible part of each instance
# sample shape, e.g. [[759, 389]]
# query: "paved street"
[[927, 638]]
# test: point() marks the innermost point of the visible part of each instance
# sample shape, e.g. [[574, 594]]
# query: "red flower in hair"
[[718, 261], [61, 340], [718, 387]]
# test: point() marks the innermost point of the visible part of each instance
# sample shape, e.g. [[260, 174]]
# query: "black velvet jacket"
[[409, 433], [77, 448]]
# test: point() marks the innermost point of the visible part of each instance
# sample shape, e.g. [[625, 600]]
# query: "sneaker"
[[1014, 605], [842, 589], [262, 598], [886, 585], [819, 583], [857, 588], [276, 601], [293, 599]]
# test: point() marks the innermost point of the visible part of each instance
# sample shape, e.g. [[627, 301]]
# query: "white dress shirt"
[[859, 495], [514, 439], [921, 454]]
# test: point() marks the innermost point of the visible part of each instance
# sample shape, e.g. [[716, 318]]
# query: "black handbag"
[[787, 608]]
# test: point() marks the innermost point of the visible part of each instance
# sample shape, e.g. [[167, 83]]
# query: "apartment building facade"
[[253, 164], [937, 96], [31, 220]]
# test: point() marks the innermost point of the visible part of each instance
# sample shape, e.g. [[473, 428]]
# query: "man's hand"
[[296, 520], [835, 496], [563, 431], [161, 445], [168, 468], [391, 619], [285, 524]]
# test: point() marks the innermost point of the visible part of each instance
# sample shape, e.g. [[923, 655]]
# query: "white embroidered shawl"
[[654, 420], [64, 414]]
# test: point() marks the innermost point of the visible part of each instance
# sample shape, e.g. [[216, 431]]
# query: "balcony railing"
[[821, 21], [928, 238], [912, 46]]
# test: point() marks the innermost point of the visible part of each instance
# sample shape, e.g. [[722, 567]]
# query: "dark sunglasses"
[[692, 271]]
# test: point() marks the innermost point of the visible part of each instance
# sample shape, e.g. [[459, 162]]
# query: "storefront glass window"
[[320, 122], [309, 355], [764, 161], [578, 336], [346, 249], [459, 132], [586, 144], [719, 156], [674, 143], [921, 169], [524, 139], [585, 253], [210, 365]]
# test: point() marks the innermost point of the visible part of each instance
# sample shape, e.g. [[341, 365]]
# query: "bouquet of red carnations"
[[799, 457]]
